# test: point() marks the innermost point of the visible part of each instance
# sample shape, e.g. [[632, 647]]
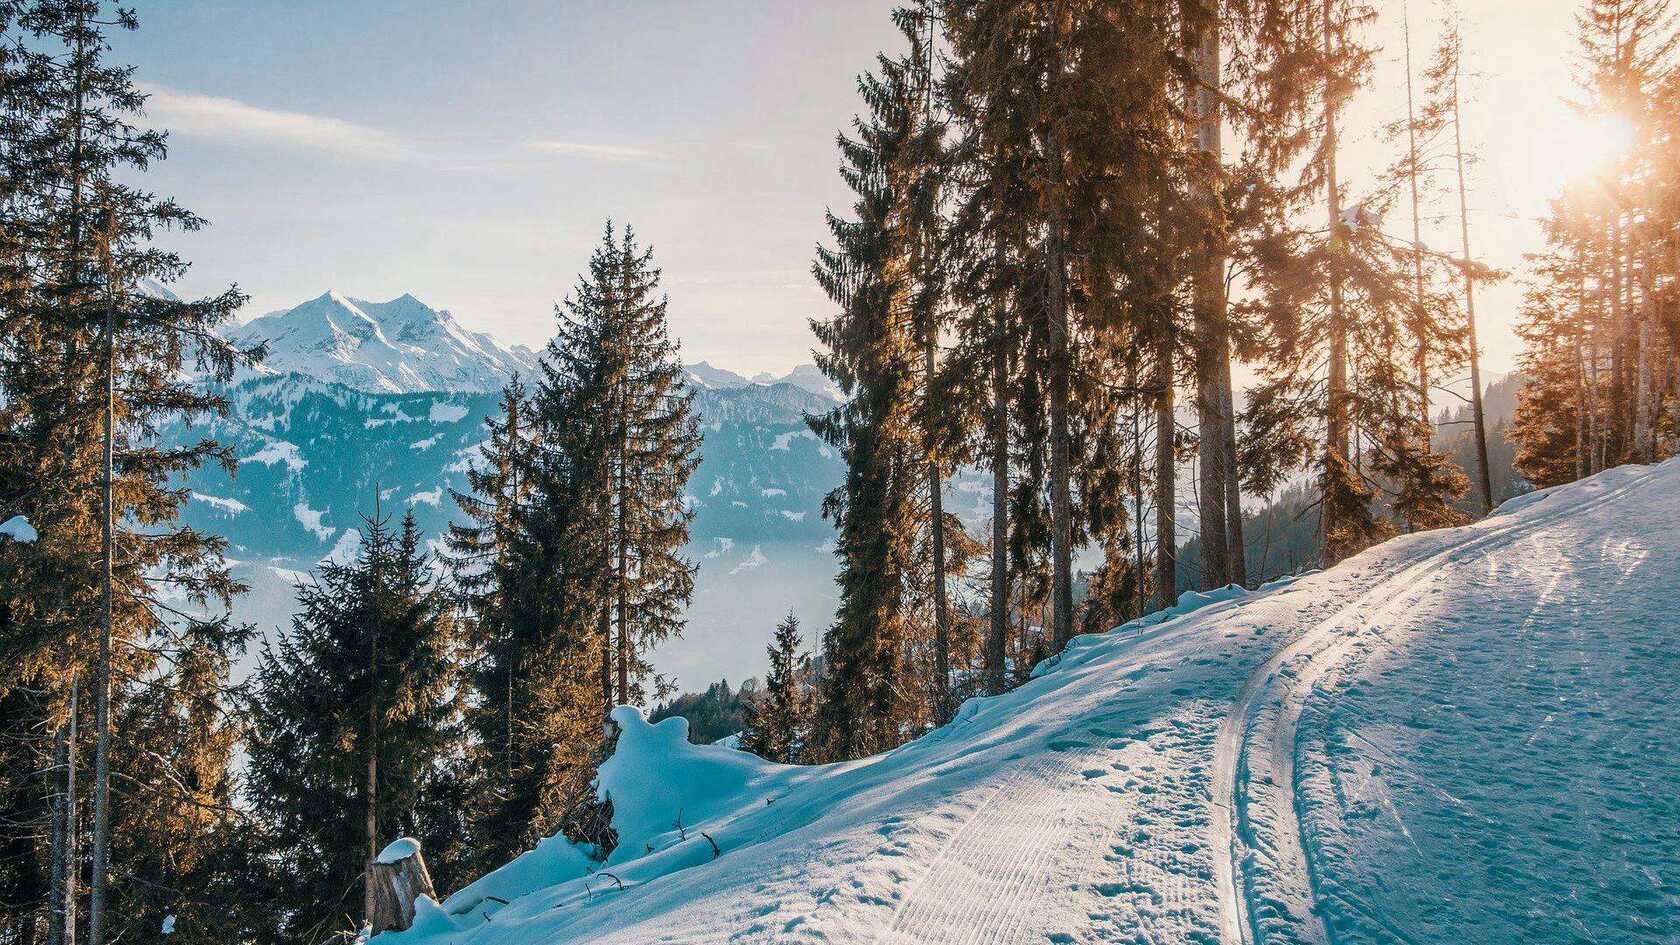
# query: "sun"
[[1583, 147]]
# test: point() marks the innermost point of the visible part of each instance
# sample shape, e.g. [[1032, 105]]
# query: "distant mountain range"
[[382, 403]]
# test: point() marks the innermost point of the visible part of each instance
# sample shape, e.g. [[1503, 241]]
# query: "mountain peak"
[[399, 346]]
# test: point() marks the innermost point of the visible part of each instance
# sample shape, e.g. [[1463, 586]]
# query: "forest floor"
[[1464, 735]]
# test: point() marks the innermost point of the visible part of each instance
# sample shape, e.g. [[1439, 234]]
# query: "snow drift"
[[1461, 735]]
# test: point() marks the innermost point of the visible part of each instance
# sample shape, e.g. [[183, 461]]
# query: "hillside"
[[1427, 743], [313, 455]]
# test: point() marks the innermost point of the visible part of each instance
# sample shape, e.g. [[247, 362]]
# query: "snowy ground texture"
[[1459, 736]]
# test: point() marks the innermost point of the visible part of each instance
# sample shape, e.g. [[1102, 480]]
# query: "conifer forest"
[[1220, 508]]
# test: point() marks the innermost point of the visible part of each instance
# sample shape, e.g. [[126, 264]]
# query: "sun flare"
[[1585, 147]]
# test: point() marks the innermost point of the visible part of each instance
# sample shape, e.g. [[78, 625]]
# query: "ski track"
[[1269, 884], [1409, 748]]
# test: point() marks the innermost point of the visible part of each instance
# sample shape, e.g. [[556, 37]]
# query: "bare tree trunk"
[[1166, 531], [61, 923], [1139, 599], [1061, 501], [102, 679], [1582, 444], [1596, 449], [1644, 416], [1336, 426], [1616, 410], [936, 511], [604, 627], [370, 822], [1000, 510], [936, 495], [1208, 312], [1421, 328], [1484, 481], [622, 576]]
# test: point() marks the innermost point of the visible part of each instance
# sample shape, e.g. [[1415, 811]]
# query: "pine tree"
[[91, 366], [871, 353], [481, 562], [1598, 322], [355, 730], [779, 717], [616, 374]]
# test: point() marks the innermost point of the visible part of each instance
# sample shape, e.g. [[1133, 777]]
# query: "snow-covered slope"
[[400, 346], [1460, 736]]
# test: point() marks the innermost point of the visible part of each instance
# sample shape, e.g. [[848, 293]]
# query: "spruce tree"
[[779, 716], [356, 731], [870, 351]]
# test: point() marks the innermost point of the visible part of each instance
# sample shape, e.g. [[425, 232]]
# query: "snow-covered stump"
[[399, 875]]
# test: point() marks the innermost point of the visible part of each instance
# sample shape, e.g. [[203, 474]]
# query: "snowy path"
[[1268, 884], [1460, 736]]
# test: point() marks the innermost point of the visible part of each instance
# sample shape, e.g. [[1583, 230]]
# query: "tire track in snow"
[[1235, 829]]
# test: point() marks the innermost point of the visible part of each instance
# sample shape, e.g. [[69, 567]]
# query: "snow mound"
[[18, 529], [662, 787], [399, 849]]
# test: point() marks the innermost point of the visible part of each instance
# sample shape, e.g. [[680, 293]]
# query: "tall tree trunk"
[[1061, 502], [1582, 442], [1166, 530], [936, 511], [1484, 482], [1336, 426], [604, 626], [999, 629], [61, 923], [370, 787], [1615, 426], [936, 497], [102, 679], [1595, 421], [622, 575], [1139, 599], [1208, 313], [1421, 321], [1644, 414]]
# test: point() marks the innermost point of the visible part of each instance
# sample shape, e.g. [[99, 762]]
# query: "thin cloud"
[[226, 119], [609, 152]]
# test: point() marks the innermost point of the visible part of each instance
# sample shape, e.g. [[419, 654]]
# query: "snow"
[[784, 441], [431, 497], [399, 346], [18, 529], [1460, 735], [448, 413], [278, 451], [228, 506], [754, 559], [344, 550], [311, 519], [399, 849]]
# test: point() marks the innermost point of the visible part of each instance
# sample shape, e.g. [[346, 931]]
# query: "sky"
[[471, 152]]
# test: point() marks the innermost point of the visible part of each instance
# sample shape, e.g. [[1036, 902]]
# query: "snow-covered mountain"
[[401, 346], [804, 376], [1462, 735], [315, 455]]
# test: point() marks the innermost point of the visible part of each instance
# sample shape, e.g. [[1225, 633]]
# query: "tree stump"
[[399, 875]]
